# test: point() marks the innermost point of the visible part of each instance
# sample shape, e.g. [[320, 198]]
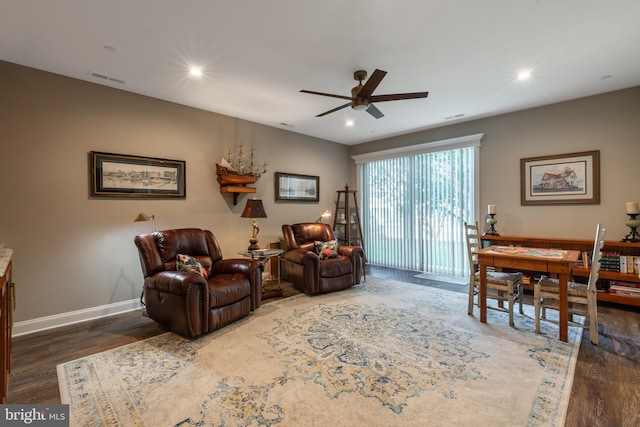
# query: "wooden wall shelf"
[[624, 248], [236, 190]]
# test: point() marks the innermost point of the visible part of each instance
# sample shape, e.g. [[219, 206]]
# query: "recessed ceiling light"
[[194, 71], [349, 123], [524, 75]]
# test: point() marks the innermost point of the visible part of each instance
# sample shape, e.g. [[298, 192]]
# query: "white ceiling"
[[257, 55]]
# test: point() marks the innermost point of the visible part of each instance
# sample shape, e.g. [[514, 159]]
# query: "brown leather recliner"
[[187, 302], [307, 271]]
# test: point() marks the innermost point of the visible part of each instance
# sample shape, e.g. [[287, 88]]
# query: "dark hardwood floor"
[[606, 387]]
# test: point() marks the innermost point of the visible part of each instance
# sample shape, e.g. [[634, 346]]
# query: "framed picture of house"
[[561, 179], [297, 188], [121, 175]]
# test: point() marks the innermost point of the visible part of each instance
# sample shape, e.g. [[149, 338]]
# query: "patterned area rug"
[[382, 353]]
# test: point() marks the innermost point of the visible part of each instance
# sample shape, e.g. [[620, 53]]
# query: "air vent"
[[105, 77], [457, 116], [99, 76]]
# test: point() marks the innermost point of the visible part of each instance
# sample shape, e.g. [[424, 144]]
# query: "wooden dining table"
[[555, 262]]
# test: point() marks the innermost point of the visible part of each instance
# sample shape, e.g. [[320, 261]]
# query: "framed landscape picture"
[[297, 188], [561, 179], [121, 175]]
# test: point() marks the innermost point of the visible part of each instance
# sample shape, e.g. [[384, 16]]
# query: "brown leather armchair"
[[307, 271], [187, 302]]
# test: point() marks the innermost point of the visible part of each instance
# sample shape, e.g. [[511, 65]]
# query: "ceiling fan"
[[362, 97]]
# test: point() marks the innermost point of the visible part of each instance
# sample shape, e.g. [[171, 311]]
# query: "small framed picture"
[[121, 175], [561, 179], [297, 188]]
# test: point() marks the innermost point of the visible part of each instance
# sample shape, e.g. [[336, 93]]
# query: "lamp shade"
[[254, 209], [142, 217], [324, 214]]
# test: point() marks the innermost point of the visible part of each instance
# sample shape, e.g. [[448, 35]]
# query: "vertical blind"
[[414, 207]]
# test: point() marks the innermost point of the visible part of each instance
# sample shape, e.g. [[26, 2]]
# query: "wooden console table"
[[6, 320], [580, 273]]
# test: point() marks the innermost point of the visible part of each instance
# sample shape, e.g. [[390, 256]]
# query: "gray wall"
[[73, 252], [609, 123]]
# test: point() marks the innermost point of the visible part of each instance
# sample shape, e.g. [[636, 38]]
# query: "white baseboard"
[[49, 322]]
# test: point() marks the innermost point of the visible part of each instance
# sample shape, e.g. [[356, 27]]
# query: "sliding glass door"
[[414, 206]]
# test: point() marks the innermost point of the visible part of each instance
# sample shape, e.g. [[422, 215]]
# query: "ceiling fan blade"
[[372, 83], [398, 96], [335, 109], [326, 94], [371, 109]]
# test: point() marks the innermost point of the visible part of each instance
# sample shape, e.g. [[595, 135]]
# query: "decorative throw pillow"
[[190, 264], [327, 250]]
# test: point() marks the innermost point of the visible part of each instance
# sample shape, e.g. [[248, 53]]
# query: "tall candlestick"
[[632, 208], [492, 208], [633, 223]]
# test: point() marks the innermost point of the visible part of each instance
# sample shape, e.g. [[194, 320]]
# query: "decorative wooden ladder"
[[346, 219]]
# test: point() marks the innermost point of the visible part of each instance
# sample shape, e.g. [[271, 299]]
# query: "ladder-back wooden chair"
[[503, 287], [582, 298]]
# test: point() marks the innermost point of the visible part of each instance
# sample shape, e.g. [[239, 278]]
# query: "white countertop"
[[5, 257]]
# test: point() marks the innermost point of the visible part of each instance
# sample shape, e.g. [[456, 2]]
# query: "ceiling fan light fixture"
[[362, 97], [360, 104]]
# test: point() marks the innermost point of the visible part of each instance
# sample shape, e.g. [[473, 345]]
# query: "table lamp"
[[254, 209]]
